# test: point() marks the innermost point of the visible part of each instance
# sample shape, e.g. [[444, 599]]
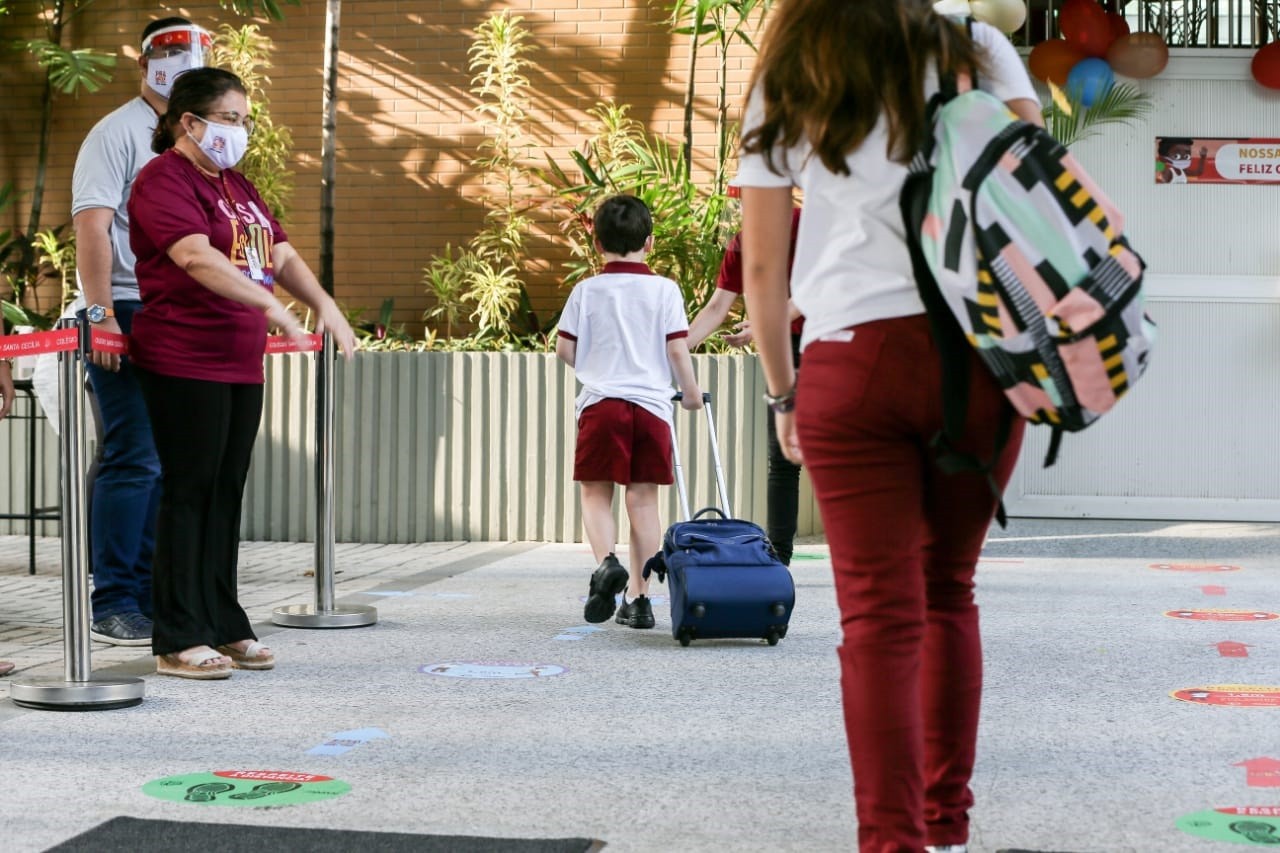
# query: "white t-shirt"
[[622, 320], [110, 158], [852, 264]]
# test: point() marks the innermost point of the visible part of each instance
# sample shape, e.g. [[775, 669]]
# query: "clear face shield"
[[173, 50]]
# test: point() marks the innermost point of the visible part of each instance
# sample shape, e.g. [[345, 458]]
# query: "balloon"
[[1266, 65], [1085, 26], [1138, 55], [1119, 26], [1052, 60], [1089, 80], [1005, 15]]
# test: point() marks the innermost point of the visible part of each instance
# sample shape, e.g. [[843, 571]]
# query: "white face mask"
[[162, 72], [224, 144], [1180, 162]]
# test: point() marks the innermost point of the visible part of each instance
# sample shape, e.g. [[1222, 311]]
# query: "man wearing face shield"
[[126, 489]]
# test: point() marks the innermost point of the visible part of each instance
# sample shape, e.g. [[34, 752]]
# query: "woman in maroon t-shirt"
[[209, 254]]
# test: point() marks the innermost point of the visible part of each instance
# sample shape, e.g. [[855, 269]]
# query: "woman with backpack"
[[837, 109]]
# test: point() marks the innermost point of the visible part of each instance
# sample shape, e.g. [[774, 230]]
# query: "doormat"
[[134, 835]]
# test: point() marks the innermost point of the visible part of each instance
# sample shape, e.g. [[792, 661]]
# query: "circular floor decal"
[[1223, 615], [1258, 825], [1236, 695], [492, 669], [254, 788], [1194, 567]]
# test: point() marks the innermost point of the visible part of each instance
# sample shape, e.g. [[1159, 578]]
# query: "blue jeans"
[[126, 491]]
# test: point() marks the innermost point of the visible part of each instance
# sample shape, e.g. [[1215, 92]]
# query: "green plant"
[[689, 223], [720, 23], [1069, 121], [247, 52], [486, 272]]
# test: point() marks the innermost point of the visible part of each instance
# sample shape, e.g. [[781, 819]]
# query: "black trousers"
[[782, 497], [204, 434]]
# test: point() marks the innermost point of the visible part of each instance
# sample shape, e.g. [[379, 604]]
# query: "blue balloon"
[[1090, 79]]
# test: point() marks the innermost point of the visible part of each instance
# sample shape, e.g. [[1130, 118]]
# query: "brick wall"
[[406, 126]]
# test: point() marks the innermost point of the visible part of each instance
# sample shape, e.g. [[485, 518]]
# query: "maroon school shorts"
[[623, 443]]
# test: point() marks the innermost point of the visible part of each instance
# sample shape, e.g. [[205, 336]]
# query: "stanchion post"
[[325, 613], [78, 690]]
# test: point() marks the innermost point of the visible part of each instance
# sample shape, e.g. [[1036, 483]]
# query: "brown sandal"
[[251, 658], [199, 665]]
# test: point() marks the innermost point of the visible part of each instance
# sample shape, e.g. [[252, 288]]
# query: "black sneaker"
[[606, 582], [123, 629], [636, 614]]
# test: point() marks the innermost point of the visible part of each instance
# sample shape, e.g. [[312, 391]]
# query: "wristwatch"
[[783, 403], [98, 313]]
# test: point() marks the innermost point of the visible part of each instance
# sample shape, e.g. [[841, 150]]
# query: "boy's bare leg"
[[597, 517], [646, 533]]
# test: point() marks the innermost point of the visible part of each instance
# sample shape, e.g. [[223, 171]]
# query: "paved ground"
[[725, 746]]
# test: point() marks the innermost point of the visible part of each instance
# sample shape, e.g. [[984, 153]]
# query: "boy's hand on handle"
[[691, 399]]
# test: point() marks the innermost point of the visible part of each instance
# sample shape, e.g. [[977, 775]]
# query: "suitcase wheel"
[[772, 637], [686, 636]]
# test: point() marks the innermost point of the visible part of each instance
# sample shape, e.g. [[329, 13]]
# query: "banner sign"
[[1215, 160]]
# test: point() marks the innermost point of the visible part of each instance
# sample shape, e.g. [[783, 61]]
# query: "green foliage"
[[250, 8], [485, 274], [1069, 121], [690, 225], [72, 71], [247, 52]]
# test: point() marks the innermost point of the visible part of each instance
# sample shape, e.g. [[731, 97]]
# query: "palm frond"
[[1070, 121]]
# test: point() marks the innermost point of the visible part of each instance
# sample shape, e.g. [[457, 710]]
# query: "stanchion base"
[[311, 616], [96, 694]]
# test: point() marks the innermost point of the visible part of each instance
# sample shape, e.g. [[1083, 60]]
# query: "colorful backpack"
[[1017, 251]]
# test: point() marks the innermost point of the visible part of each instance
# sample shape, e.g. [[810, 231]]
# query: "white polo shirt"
[[852, 265], [621, 321]]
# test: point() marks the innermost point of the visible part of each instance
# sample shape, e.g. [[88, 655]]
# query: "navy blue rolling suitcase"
[[723, 577]]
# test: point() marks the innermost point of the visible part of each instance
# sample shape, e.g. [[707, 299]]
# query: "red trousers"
[[905, 538]]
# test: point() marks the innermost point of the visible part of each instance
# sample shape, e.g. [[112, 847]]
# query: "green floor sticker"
[[802, 556], [1259, 825], [253, 788]]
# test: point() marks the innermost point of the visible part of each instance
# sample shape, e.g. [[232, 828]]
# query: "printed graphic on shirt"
[[251, 240]]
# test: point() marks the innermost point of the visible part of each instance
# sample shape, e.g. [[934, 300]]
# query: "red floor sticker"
[[1223, 615], [1214, 590], [1230, 649], [1235, 695], [1261, 772], [1194, 567]]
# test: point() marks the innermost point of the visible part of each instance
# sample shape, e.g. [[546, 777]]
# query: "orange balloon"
[[1138, 55], [1052, 60]]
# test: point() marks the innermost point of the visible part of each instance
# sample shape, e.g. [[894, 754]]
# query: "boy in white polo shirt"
[[623, 332]]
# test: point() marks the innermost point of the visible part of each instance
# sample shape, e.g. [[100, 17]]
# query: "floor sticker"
[[581, 632], [1235, 695], [341, 742], [1223, 615], [252, 788], [1231, 649], [1194, 567], [492, 669], [1214, 589], [1261, 772], [1258, 825]]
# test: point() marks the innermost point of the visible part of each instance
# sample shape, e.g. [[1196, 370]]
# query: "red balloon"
[[1119, 26], [1085, 26], [1266, 65], [1052, 60], [1138, 55]]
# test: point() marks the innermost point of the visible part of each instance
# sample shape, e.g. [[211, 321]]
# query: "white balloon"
[[959, 8], [1005, 15]]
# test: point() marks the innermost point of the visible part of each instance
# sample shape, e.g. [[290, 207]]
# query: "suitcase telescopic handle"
[[721, 486]]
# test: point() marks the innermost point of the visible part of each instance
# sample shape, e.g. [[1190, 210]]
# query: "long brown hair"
[[829, 68]]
